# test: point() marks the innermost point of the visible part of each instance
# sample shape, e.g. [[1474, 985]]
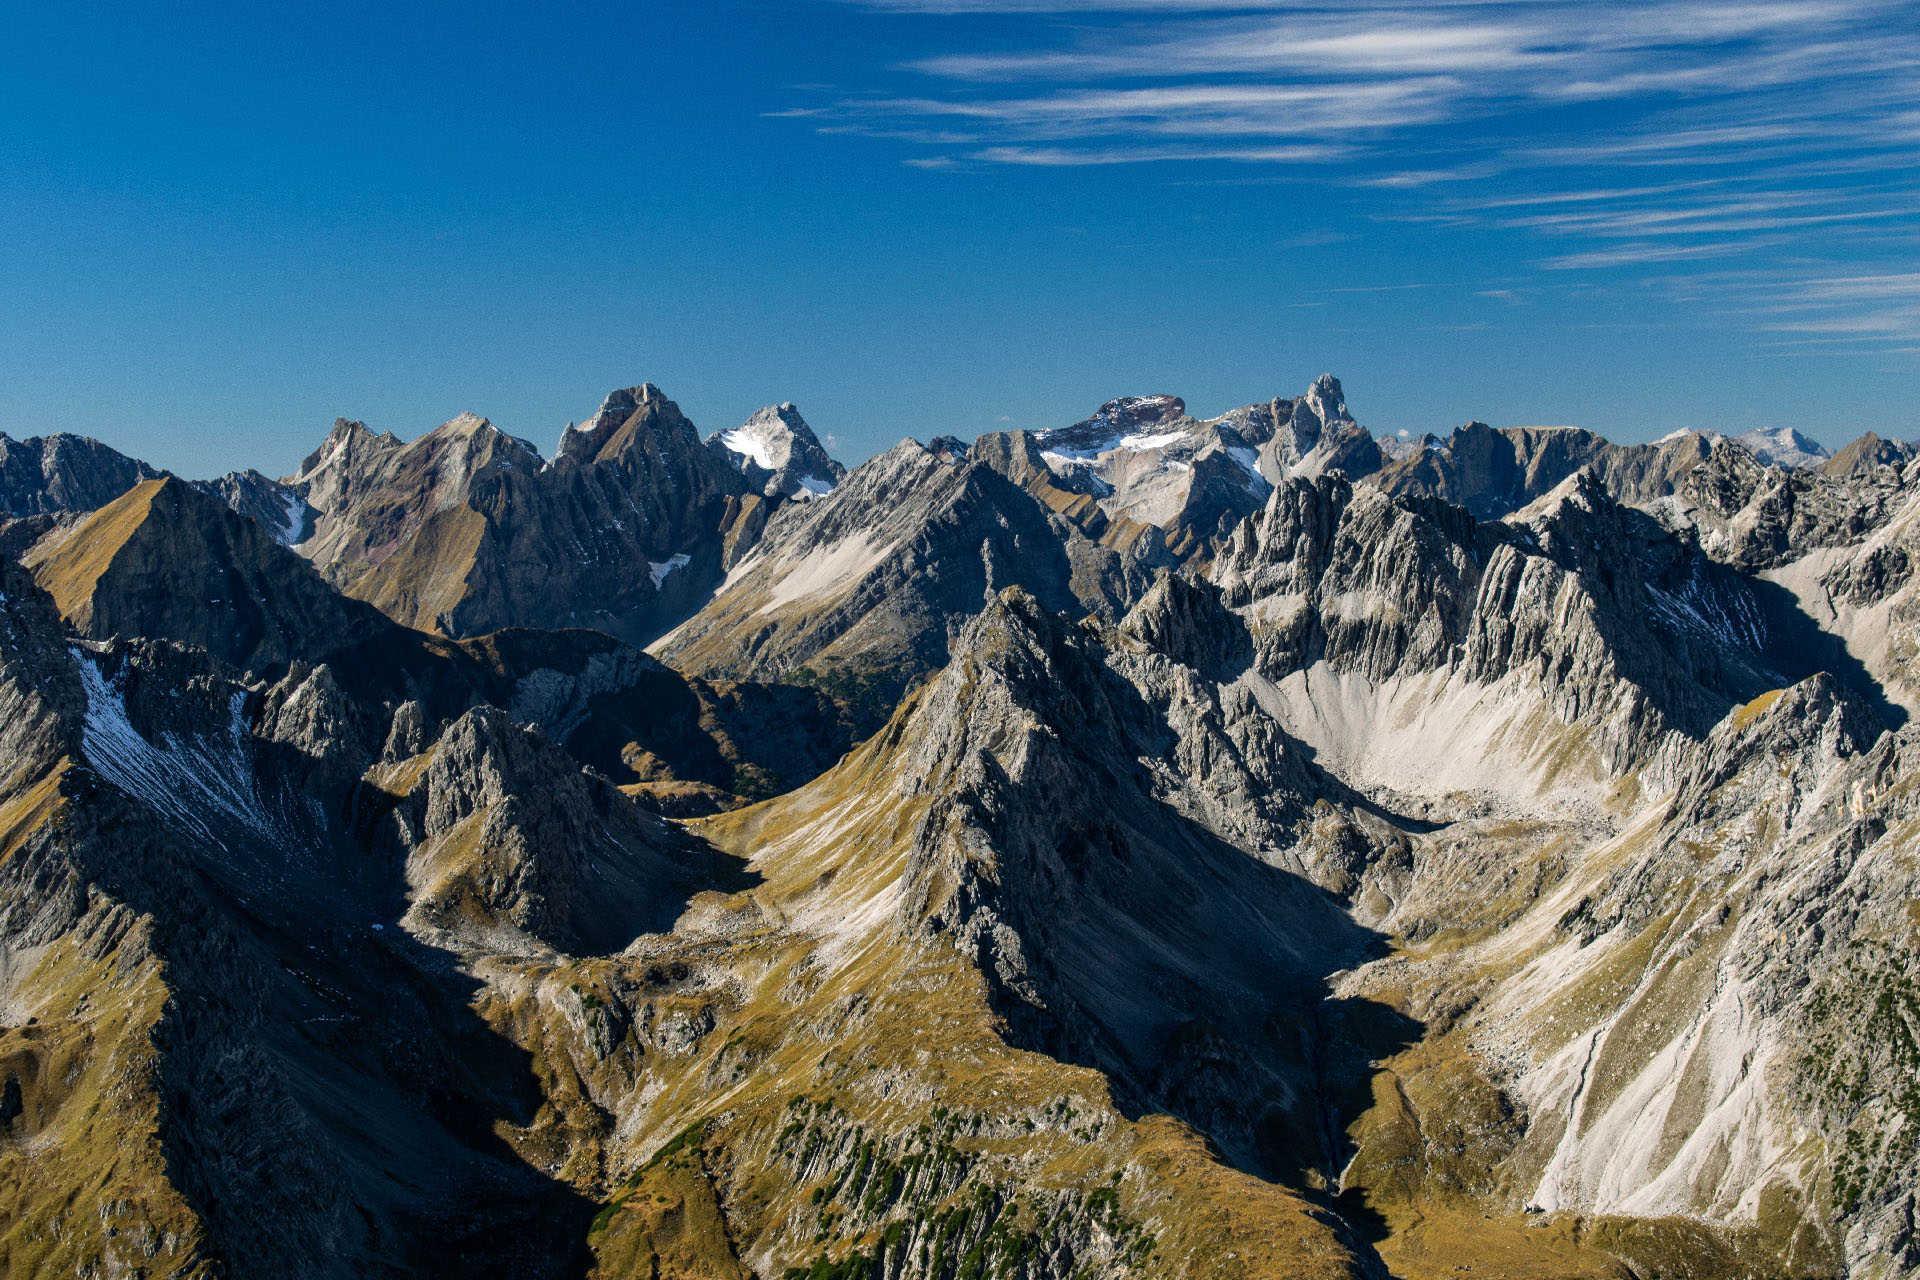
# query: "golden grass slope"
[[70, 563]]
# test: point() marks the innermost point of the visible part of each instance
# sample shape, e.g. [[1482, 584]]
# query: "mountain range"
[[1149, 846]]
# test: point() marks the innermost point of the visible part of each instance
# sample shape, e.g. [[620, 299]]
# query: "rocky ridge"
[[1328, 879]]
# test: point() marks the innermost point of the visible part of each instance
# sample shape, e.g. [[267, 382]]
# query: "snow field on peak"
[[756, 444]]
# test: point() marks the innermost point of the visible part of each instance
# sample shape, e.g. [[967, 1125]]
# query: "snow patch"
[[661, 570], [1060, 459], [757, 443], [294, 521], [1783, 447], [1250, 459], [1158, 440], [199, 784]]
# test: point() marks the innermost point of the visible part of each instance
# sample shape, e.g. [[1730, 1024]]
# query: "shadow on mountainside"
[[331, 1100], [329, 1096], [1719, 637], [1195, 976], [1801, 647]]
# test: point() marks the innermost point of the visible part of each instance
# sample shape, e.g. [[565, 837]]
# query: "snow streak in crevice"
[[200, 785]]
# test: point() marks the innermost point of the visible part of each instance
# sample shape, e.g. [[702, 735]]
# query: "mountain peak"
[[623, 402], [622, 418], [464, 423], [346, 442], [1114, 422], [1130, 412], [778, 453], [63, 472], [1782, 447], [1327, 400]]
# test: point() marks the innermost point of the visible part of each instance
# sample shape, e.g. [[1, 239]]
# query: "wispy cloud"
[[1076, 156], [1638, 254], [1870, 310], [1600, 137]]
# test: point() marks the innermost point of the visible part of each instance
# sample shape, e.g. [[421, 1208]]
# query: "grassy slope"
[[69, 565], [848, 1095]]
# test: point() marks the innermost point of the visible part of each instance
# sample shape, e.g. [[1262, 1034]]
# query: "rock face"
[[1268, 855], [63, 473], [1579, 613], [467, 530], [1493, 473], [510, 842], [778, 454], [188, 942], [273, 504], [165, 559], [862, 589]]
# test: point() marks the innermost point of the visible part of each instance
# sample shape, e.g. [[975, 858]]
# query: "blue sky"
[[227, 225]]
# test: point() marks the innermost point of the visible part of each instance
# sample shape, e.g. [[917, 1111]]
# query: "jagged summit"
[[624, 421], [347, 438], [1144, 462], [63, 472], [779, 454], [1326, 400]]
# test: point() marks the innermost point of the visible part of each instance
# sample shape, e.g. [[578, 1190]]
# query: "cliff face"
[[468, 530], [861, 590], [58, 473]]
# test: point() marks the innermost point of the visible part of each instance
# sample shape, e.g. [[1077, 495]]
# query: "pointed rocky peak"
[[506, 835], [481, 443], [1818, 709], [1581, 524], [620, 405], [1783, 447], [625, 420], [349, 444], [69, 562], [1867, 453], [169, 560], [1467, 433], [1310, 434], [1325, 400], [1581, 491], [779, 454], [465, 423], [1778, 750], [481, 759], [1016, 671]]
